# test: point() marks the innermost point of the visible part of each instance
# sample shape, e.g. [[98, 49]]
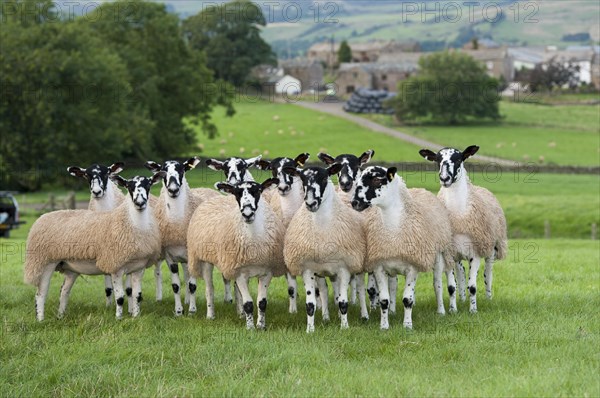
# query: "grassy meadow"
[[566, 135], [535, 338]]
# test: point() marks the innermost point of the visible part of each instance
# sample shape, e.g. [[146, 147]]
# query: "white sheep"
[[106, 196], [122, 241], [286, 203], [324, 238], [407, 232], [477, 220], [236, 171], [176, 204], [243, 238]]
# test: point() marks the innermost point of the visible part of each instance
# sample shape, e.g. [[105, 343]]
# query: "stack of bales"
[[368, 101]]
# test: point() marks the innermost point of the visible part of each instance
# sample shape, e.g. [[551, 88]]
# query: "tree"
[[345, 52], [553, 74], [449, 88], [229, 35], [57, 104]]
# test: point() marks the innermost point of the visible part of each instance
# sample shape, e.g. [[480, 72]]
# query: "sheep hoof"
[[452, 310], [228, 301], [364, 318], [60, 316], [441, 312], [178, 312], [191, 312], [310, 329], [408, 326], [473, 310], [384, 327]]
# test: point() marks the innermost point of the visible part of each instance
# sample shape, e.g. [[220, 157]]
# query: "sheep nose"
[[174, 192], [97, 193]]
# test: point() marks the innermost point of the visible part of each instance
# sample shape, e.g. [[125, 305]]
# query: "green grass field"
[[535, 338], [529, 133]]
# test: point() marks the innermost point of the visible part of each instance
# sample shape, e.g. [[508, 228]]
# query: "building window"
[[354, 75], [489, 65], [384, 77], [349, 89], [385, 88]]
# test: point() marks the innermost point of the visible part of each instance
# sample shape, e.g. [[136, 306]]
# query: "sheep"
[[407, 232], [243, 238], [105, 196], [477, 220], [122, 241], [286, 204], [347, 177], [236, 171], [323, 238], [176, 204]]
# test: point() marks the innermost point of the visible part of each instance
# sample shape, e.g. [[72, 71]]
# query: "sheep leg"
[[242, 284], [238, 300], [129, 293], [473, 270], [487, 275], [384, 296], [322, 288], [353, 291], [322, 293], [136, 282], [209, 291], [158, 278], [117, 281], [186, 281], [372, 290], [227, 288], [108, 290], [308, 278], [42, 291], [438, 271], [393, 286], [65, 290], [261, 299], [362, 299], [292, 292], [408, 298], [335, 283], [460, 280], [451, 291], [343, 282], [175, 284]]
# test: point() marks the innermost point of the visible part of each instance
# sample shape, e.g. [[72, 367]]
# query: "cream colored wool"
[[119, 199], [310, 245], [484, 223], [218, 235], [174, 232], [108, 238], [424, 232]]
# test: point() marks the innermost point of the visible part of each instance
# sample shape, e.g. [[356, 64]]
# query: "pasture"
[[535, 338]]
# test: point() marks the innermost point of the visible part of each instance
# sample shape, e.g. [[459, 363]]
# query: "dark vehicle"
[[9, 214]]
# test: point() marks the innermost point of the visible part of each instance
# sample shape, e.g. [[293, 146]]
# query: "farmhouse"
[[310, 73], [327, 52], [373, 75]]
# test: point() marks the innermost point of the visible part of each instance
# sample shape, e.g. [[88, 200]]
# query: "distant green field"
[[529, 133], [276, 129], [535, 338]]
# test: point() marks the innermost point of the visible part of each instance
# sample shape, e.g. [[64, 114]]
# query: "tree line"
[[111, 85]]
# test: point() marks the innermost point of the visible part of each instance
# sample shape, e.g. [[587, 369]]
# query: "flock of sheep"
[[371, 223]]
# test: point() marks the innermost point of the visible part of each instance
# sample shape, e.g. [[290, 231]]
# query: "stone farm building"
[[327, 52]]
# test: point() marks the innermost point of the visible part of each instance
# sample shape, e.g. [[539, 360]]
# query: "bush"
[[449, 88]]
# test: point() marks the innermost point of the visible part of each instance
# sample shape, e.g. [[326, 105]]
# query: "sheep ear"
[[119, 180], [263, 165], [291, 171], [268, 183], [77, 171], [158, 177], [116, 168], [427, 154], [391, 173], [191, 163], [224, 187], [470, 151], [252, 161], [152, 166], [334, 168], [326, 158], [301, 159], [214, 164], [366, 157]]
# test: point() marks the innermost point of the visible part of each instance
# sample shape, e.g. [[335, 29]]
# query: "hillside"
[[295, 25]]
